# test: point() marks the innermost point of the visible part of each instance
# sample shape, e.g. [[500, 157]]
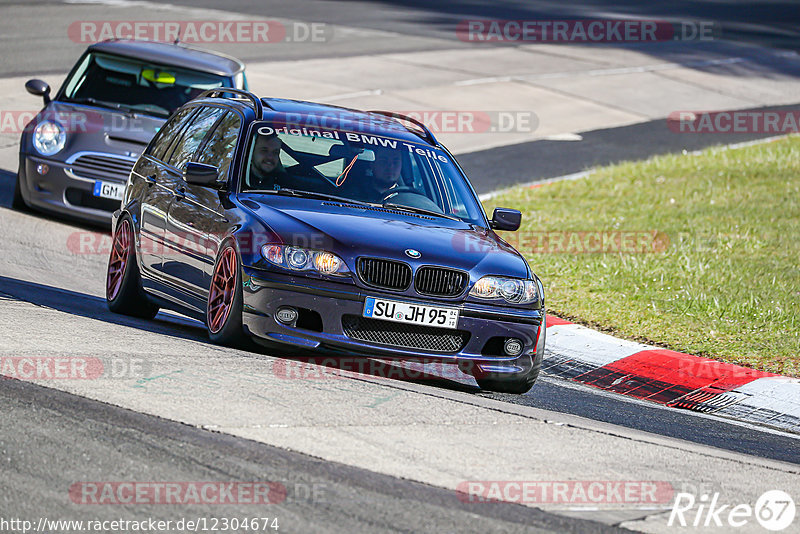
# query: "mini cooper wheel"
[[124, 292], [224, 310]]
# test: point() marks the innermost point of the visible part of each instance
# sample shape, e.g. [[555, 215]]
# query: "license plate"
[[107, 190], [410, 313]]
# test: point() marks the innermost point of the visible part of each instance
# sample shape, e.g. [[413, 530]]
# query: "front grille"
[[439, 282], [384, 274], [404, 335], [97, 163]]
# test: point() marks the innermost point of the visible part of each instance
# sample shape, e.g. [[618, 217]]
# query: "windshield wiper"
[[422, 211], [102, 104], [310, 194]]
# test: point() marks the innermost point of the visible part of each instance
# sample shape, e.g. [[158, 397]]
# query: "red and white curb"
[[580, 354]]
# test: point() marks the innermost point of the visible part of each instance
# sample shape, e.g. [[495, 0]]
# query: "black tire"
[[129, 299], [516, 385], [231, 333], [18, 202]]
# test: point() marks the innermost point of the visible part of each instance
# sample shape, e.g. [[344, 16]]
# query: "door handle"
[[179, 193]]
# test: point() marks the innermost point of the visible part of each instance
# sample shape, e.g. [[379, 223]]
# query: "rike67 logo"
[[774, 510]]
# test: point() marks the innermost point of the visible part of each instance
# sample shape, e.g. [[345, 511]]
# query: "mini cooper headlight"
[[301, 259], [512, 290], [48, 138]]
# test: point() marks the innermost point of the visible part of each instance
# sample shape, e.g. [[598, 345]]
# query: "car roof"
[[345, 119], [178, 55]]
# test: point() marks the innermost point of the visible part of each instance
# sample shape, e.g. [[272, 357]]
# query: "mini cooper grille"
[[94, 163], [439, 282], [385, 274], [404, 335]]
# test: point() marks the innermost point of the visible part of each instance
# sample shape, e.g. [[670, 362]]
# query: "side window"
[[193, 136], [221, 144], [158, 148]]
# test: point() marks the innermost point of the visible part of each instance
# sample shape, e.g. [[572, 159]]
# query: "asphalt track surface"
[[771, 22], [49, 438], [538, 160], [549, 393]]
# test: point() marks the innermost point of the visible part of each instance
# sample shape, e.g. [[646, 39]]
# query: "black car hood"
[[351, 231]]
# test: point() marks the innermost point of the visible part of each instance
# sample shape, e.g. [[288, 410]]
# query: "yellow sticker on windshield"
[[161, 77]]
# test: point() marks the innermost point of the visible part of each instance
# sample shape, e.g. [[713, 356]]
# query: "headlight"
[[48, 138], [512, 290], [301, 259], [297, 258]]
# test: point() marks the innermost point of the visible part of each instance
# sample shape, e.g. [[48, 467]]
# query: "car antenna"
[[177, 40]]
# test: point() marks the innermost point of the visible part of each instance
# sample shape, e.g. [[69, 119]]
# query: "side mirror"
[[506, 219], [201, 174], [39, 88]]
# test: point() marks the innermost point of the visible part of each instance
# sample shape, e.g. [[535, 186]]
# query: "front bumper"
[[265, 292], [63, 191]]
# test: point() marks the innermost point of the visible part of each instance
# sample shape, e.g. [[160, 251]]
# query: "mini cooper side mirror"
[[201, 174], [506, 219], [39, 88]]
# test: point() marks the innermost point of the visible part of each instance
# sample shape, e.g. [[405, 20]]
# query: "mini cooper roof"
[[178, 55]]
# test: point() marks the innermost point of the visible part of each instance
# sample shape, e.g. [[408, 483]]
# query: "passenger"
[[266, 169]]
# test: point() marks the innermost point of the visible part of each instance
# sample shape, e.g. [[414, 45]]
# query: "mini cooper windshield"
[[128, 84], [358, 167]]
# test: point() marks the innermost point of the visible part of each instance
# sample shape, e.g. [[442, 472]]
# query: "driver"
[[266, 169], [386, 170]]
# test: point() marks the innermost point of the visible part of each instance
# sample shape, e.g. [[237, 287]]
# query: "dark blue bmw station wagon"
[[331, 230]]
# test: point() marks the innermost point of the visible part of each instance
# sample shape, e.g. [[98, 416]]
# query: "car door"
[[158, 196], [186, 226], [218, 150]]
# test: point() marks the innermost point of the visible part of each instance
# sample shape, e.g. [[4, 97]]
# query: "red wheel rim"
[[118, 261], [223, 289]]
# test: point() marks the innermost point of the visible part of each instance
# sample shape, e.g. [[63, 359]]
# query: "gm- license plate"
[[107, 190], [410, 313]]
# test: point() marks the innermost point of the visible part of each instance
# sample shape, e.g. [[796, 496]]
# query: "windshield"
[[128, 84], [360, 167]]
